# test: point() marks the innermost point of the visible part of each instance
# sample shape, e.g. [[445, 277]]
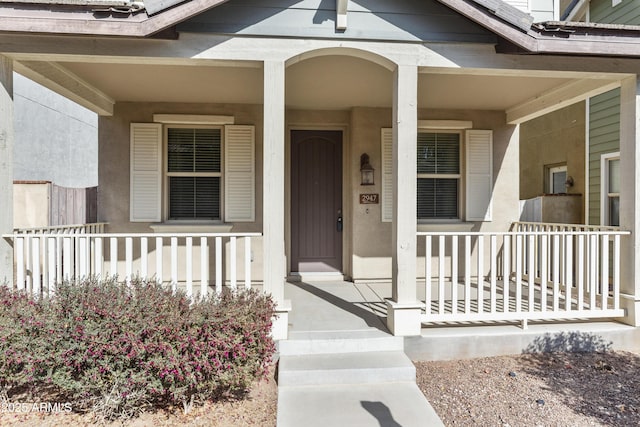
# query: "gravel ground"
[[543, 389]]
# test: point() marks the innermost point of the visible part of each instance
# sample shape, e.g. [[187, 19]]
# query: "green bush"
[[119, 349]]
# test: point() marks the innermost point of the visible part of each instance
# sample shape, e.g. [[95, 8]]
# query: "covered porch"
[[534, 273], [445, 241]]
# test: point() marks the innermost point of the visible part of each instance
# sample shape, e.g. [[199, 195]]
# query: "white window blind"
[[438, 160], [193, 173]]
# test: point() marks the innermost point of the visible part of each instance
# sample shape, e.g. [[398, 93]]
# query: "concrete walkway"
[[341, 367]]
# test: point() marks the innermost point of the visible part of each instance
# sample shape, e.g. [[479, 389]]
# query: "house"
[[55, 158], [243, 142], [570, 141]]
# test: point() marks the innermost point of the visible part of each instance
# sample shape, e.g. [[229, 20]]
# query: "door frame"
[[346, 192]]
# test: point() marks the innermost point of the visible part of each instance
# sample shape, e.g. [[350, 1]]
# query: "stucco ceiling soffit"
[[61, 80]]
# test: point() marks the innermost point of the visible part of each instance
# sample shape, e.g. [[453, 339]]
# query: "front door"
[[316, 201]]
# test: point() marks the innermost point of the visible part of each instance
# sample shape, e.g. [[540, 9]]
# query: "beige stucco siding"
[[367, 240], [114, 176], [556, 138]]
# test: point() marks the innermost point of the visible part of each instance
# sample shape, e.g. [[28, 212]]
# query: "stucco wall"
[[553, 139], [56, 139], [367, 240], [114, 175]]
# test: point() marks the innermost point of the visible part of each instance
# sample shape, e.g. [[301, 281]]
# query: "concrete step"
[[364, 405], [300, 343], [345, 368]]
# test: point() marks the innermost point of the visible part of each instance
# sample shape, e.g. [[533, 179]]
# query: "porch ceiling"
[[331, 83]]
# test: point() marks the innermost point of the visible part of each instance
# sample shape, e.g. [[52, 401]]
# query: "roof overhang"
[[515, 34], [93, 19]]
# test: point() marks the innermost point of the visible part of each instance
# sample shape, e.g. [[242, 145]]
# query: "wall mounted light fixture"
[[366, 170]]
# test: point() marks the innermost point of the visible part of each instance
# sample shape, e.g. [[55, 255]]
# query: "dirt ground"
[[258, 409], [543, 389]]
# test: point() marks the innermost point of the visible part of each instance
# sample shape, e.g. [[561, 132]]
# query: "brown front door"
[[316, 201]]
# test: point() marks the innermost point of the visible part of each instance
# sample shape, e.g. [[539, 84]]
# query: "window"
[[438, 160], [194, 173], [610, 189], [201, 171], [447, 189], [557, 179]]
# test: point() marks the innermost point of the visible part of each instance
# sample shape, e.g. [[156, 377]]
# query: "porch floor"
[[337, 306]]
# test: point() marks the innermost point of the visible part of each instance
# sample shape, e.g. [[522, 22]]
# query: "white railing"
[[93, 228], [44, 259], [521, 275]]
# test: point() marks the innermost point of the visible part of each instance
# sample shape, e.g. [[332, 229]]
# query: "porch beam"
[[59, 79], [557, 98], [404, 309], [273, 192], [6, 168], [630, 199]]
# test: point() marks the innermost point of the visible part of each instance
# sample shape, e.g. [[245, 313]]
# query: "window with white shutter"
[[439, 175], [206, 170]]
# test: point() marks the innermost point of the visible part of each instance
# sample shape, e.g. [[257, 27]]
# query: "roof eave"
[[95, 26]]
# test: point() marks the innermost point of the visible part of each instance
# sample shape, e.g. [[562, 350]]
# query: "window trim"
[[166, 174], [605, 195], [458, 176], [551, 170]]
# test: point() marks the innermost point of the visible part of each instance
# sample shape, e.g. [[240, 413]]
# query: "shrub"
[[119, 349]]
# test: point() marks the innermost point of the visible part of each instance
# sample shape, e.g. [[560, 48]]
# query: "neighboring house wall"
[[626, 12], [541, 10], [554, 139], [56, 139], [604, 137]]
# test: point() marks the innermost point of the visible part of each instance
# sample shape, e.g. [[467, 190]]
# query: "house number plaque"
[[369, 199]]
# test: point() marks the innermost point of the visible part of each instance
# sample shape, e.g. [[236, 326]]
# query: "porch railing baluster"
[[529, 257]]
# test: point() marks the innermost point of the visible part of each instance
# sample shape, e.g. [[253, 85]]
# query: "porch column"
[[6, 168], [403, 310], [630, 199], [274, 263]]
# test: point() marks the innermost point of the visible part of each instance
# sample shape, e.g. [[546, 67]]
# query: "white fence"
[[529, 274], [46, 258]]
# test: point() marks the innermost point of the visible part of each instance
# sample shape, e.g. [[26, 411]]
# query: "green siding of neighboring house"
[[604, 137], [627, 12]]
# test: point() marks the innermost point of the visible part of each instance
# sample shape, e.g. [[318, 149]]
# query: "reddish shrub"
[[118, 349]]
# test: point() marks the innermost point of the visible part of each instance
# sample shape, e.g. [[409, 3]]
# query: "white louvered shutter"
[[387, 175], [479, 175], [146, 172], [239, 173]]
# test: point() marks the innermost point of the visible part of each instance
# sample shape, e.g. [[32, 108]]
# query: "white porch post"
[[6, 168], [273, 193], [403, 310], [630, 198]]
